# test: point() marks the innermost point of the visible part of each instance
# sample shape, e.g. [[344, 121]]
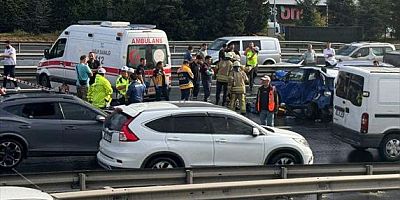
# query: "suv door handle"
[[71, 128], [25, 127], [174, 139], [221, 140]]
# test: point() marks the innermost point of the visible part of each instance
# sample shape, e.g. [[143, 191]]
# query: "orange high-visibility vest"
[[271, 100]]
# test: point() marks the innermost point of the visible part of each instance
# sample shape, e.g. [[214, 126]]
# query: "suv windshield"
[[346, 50], [217, 44], [152, 52]]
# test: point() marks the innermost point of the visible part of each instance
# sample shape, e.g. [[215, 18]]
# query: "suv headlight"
[[301, 141]]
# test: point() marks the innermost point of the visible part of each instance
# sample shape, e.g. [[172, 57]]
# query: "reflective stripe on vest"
[[271, 100]]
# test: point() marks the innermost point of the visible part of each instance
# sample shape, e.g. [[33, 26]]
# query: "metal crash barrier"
[[245, 189]]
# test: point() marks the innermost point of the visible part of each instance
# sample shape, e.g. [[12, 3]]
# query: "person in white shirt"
[[329, 54], [10, 60]]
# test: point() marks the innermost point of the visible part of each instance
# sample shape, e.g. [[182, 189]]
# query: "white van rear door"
[[349, 103]]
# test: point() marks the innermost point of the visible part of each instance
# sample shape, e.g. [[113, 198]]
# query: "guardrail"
[[89, 180], [247, 189], [29, 72]]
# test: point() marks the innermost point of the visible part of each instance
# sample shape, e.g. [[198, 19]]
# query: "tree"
[[374, 17], [310, 16], [257, 16], [11, 15], [395, 17], [39, 12], [342, 12]]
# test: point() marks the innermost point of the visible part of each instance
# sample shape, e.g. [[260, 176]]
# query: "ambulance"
[[116, 44]]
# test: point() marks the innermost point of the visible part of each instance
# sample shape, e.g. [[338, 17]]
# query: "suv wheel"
[[284, 159], [44, 80], [162, 163], [11, 153], [390, 147]]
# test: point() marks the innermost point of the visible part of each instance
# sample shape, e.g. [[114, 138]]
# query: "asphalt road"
[[326, 148]]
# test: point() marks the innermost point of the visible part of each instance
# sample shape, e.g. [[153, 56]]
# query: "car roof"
[[371, 69], [21, 96], [20, 193], [360, 44], [136, 108], [247, 38], [329, 72], [362, 63]]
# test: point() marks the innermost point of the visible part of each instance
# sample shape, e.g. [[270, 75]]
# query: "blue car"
[[308, 89]]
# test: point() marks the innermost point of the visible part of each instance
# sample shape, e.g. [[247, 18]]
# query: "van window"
[[217, 44], [378, 51], [346, 50], [247, 42], [236, 43], [152, 52], [363, 52], [269, 45], [388, 49], [58, 49], [350, 87]]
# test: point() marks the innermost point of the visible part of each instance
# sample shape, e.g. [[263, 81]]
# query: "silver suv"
[[364, 51], [190, 134]]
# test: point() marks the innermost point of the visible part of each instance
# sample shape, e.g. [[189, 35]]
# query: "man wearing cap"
[[267, 102], [122, 84], [10, 60], [223, 70], [100, 92], [238, 81]]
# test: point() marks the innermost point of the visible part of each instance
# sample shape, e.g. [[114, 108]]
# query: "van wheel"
[[268, 62], [44, 80], [11, 153], [311, 111], [390, 147]]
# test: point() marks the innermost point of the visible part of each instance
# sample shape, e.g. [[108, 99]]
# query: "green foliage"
[[395, 17], [310, 17], [257, 18], [374, 18], [342, 12]]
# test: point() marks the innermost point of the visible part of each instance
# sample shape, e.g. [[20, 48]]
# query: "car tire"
[[268, 62], [11, 153], [161, 163], [284, 159], [311, 111], [44, 80], [390, 147]]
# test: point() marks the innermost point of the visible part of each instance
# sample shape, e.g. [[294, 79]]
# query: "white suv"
[[191, 134]]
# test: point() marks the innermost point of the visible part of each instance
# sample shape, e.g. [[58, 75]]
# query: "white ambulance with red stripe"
[[116, 44]]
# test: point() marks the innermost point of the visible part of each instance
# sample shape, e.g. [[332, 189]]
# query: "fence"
[[89, 180], [246, 189]]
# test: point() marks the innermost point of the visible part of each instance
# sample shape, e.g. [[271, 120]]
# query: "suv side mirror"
[[256, 132], [100, 118], [46, 53]]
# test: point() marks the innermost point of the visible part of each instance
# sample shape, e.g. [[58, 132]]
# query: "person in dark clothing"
[[267, 102], [140, 70], [93, 65], [136, 90], [195, 67], [160, 82], [221, 54], [206, 77]]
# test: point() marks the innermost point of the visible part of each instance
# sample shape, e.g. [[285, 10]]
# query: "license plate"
[[339, 113], [107, 136], [151, 90]]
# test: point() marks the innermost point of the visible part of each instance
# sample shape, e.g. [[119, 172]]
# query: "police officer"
[[223, 70], [122, 84], [100, 92], [237, 84]]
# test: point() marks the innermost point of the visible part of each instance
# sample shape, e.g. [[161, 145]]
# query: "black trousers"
[[9, 70]]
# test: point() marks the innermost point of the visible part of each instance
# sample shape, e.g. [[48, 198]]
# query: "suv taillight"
[[364, 123], [126, 135]]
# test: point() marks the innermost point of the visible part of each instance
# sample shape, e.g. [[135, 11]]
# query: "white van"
[[116, 44], [364, 51], [367, 109], [270, 49]]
